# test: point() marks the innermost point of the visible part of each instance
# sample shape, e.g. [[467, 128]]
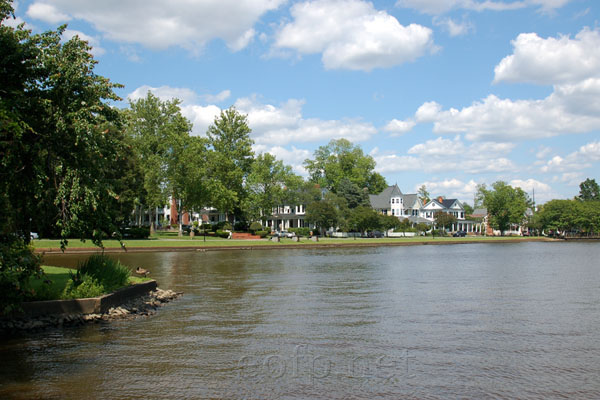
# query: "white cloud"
[[543, 192], [352, 34], [285, 124], [452, 189], [217, 98], [453, 28], [444, 155], [157, 24], [571, 65], [436, 7], [439, 147], [397, 127], [164, 93], [200, 116], [47, 13], [428, 112], [504, 119], [94, 42], [14, 22], [552, 61], [294, 157], [578, 160]]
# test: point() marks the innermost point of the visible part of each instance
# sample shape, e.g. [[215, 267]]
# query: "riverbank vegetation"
[[99, 275]]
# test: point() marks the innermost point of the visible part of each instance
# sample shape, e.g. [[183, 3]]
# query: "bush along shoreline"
[[62, 296], [141, 306]]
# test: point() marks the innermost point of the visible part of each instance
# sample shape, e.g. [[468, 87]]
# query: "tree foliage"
[[323, 214], [363, 219], [61, 146], [444, 220], [505, 205], [230, 159], [589, 190], [341, 159], [423, 194], [268, 184]]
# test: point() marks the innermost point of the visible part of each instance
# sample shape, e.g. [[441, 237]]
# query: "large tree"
[[589, 190], [341, 159], [363, 219], [268, 183], [160, 134], [505, 205], [323, 214], [230, 159], [61, 148], [444, 219]]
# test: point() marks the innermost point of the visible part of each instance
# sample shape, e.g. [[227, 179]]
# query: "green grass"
[[59, 276], [212, 242]]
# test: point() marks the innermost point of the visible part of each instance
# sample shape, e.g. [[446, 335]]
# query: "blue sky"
[[446, 93]]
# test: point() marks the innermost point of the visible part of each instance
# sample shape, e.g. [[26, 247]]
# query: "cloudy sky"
[[446, 93]]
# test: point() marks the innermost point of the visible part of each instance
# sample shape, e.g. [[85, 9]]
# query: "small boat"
[[141, 271]]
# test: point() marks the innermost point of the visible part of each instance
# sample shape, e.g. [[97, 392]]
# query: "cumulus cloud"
[[397, 127], [94, 42], [157, 24], [445, 155], [217, 98], [293, 157], [437, 7], [552, 61], [542, 191], [453, 27], [47, 13], [499, 119], [200, 116], [452, 189], [352, 34], [571, 65], [164, 93], [583, 158], [280, 125]]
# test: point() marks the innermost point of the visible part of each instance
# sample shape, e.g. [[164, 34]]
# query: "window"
[[393, 201], [393, 211]]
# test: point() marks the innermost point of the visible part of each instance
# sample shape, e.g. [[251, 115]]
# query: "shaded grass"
[[59, 277]]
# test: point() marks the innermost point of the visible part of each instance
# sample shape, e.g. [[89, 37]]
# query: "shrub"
[[110, 273], [256, 226], [226, 226], [18, 264], [300, 231], [82, 286], [222, 234], [262, 234]]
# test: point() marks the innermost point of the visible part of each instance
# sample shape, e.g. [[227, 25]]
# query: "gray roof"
[[447, 203], [382, 200], [479, 212], [410, 200]]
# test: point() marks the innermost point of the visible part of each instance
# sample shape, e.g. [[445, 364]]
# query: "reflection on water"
[[473, 321]]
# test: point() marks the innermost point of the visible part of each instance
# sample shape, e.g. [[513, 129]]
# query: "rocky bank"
[[138, 307]]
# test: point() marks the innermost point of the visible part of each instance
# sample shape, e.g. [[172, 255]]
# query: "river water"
[[428, 322]]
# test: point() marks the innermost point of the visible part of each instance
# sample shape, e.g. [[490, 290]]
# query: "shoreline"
[[276, 246]]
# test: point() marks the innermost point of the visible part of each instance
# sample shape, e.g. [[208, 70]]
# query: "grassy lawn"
[[59, 277], [199, 241]]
